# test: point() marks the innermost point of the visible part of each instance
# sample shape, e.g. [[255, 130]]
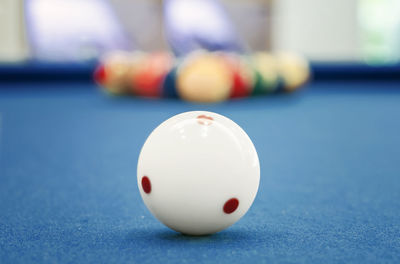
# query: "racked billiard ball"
[[198, 172], [203, 77], [242, 75], [148, 79], [112, 73], [266, 68], [294, 70]]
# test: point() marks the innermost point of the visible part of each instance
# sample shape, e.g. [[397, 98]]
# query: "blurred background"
[[366, 31]]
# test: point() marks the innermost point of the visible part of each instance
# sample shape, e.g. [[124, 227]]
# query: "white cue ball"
[[198, 172]]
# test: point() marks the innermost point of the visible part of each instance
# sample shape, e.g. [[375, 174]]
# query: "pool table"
[[329, 189]]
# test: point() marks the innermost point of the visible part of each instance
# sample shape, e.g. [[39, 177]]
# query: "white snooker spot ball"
[[198, 173]]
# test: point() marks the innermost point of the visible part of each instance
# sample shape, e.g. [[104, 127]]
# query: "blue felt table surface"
[[329, 191]]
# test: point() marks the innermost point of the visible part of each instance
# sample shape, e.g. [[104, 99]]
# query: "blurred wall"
[[13, 46], [143, 22], [320, 29], [252, 19]]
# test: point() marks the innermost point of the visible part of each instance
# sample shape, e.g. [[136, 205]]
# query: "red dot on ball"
[[146, 184], [204, 120], [231, 205], [205, 117]]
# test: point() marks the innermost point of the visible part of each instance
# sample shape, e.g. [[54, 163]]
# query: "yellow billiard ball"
[[294, 70], [204, 77]]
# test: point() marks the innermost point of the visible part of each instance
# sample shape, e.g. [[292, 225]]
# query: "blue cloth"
[[329, 192]]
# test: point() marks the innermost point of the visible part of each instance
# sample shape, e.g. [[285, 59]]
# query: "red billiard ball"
[[241, 73], [148, 79]]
